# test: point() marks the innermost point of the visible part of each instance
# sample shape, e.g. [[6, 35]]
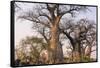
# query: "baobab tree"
[[82, 36], [46, 19]]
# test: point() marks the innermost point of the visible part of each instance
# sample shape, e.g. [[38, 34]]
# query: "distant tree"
[[82, 37]]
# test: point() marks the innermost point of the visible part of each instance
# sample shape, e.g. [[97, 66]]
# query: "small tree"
[[30, 49]]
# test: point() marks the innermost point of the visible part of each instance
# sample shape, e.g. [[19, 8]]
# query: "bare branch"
[[43, 34], [73, 9], [93, 50], [35, 19]]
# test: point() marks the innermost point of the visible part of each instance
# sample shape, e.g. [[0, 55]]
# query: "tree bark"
[[77, 51], [55, 48]]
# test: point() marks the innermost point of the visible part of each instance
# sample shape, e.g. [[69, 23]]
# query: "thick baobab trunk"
[[53, 43], [59, 53], [55, 49], [76, 46], [77, 53]]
